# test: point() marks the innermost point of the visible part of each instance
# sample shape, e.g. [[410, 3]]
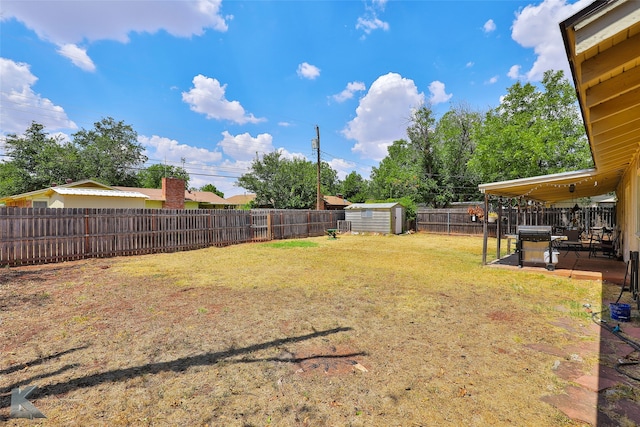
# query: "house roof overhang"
[[602, 43]]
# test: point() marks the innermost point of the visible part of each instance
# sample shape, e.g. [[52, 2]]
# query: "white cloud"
[[492, 80], [208, 97], [204, 166], [286, 154], [172, 151], [438, 93], [342, 167], [308, 71], [19, 101], [514, 72], [348, 92], [536, 26], [284, 124], [71, 22], [78, 56], [470, 64], [371, 24], [369, 21], [383, 115], [489, 26], [244, 146]]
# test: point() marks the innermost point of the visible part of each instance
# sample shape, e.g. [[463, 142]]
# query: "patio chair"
[[573, 242], [607, 246]]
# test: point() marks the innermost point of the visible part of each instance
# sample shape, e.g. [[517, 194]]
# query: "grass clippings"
[[362, 330]]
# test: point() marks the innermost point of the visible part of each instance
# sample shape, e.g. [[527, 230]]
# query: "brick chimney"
[[173, 193]]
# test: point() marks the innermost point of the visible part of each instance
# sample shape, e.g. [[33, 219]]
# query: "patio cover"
[[556, 187]]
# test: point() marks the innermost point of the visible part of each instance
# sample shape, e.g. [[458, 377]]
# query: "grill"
[[534, 245]]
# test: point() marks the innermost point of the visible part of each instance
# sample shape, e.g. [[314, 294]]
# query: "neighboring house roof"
[[84, 184], [97, 192], [336, 201], [195, 196], [601, 43], [89, 187], [151, 193], [372, 205], [241, 199], [206, 197]]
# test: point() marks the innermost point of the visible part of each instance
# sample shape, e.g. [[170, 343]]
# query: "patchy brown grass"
[[363, 330]]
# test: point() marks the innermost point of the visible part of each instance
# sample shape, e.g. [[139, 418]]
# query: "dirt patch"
[[502, 316], [329, 360]]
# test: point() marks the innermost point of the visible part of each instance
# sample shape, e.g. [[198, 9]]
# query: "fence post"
[[86, 231]]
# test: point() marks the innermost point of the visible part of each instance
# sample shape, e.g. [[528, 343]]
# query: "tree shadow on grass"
[[178, 365], [39, 360]]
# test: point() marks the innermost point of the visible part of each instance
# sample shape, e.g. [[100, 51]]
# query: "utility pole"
[[315, 143]]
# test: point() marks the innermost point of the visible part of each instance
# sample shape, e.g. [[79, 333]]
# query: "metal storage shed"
[[376, 217]]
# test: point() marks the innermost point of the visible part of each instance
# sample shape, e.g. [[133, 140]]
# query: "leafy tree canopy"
[[354, 188], [283, 183], [398, 174], [455, 146], [532, 132], [212, 189], [37, 161], [151, 177], [110, 152]]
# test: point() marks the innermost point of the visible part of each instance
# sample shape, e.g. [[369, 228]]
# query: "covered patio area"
[[572, 264]]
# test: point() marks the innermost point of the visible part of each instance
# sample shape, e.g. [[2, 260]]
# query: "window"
[[367, 213], [39, 204]]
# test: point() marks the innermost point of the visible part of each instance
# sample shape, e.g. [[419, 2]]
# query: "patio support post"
[[498, 228], [485, 229]]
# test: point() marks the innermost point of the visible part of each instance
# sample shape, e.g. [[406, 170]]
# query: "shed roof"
[[372, 205]]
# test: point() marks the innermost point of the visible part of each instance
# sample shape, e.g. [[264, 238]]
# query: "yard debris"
[[359, 366]]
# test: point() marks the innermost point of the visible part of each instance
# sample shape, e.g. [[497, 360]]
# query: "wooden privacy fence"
[[457, 221], [39, 235]]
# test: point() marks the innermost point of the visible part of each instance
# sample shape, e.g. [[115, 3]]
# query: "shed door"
[[397, 212]]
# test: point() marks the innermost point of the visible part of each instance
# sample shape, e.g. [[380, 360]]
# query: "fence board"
[[43, 235]]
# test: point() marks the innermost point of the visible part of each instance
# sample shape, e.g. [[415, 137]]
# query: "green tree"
[[455, 148], [354, 188], [432, 189], [282, 183], [329, 183], [110, 152], [413, 168], [36, 161], [151, 177], [212, 189], [532, 132], [398, 174]]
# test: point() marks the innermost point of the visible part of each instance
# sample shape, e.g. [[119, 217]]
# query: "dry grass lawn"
[[362, 330]]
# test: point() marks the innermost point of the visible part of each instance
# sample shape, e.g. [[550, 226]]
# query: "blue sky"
[[213, 82]]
